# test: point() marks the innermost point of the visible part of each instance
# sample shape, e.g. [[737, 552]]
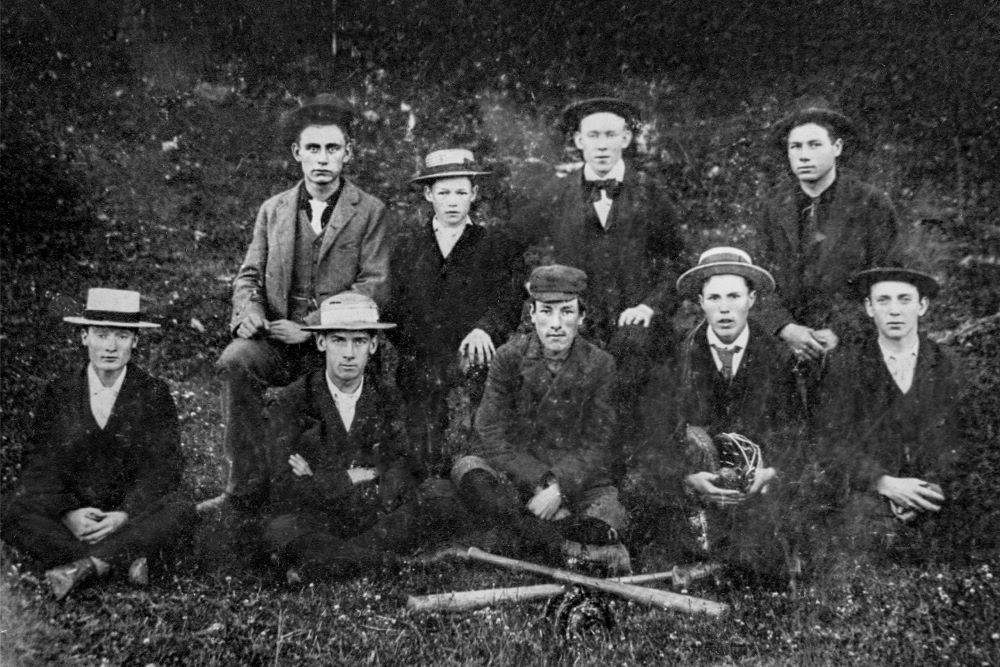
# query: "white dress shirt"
[[740, 341], [102, 399], [448, 236], [603, 205], [316, 219], [901, 365], [346, 403]]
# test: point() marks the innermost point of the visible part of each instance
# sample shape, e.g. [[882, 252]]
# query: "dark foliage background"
[[138, 140]]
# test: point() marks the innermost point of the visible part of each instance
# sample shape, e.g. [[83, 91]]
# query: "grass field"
[[139, 160]]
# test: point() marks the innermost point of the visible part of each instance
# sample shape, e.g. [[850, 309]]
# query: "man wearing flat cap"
[[541, 470], [732, 393], [617, 224], [343, 492], [888, 419], [454, 298], [818, 228], [321, 237], [99, 489]]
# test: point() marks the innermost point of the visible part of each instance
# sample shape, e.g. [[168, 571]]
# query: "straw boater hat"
[[348, 311], [112, 308], [324, 109], [841, 124], [556, 282], [724, 261], [448, 163], [573, 113], [861, 282]]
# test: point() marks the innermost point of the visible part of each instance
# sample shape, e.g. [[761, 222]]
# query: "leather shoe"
[[65, 578], [138, 572]]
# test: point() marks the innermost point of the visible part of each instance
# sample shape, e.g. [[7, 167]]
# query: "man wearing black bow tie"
[[617, 224]]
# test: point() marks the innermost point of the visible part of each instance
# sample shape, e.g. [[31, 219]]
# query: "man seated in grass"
[[730, 380], [99, 488], [454, 297], [888, 421], [541, 472], [343, 493]]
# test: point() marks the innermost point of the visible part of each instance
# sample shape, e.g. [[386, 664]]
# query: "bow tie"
[[612, 187]]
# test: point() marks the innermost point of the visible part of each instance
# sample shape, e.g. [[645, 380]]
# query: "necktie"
[[321, 212], [610, 186], [726, 357]]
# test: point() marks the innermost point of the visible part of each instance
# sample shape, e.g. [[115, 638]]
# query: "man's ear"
[[868, 307], [838, 147], [83, 335], [295, 151], [925, 303], [626, 138], [429, 194], [475, 193], [373, 345], [752, 298], [320, 341], [348, 152], [578, 140]]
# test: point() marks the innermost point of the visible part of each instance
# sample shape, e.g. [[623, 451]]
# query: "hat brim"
[[457, 173], [84, 321], [552, 297], [573, 113], [350, 326], [862, 281], [690, 282]]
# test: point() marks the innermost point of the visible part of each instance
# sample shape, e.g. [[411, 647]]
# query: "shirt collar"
[[440, 227], [305, 197], [339, 395], [97, 387], [741, 340], [887, 353], [617, 172]]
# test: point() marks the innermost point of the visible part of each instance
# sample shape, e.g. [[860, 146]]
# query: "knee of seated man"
[[602, 503], [241, 355]]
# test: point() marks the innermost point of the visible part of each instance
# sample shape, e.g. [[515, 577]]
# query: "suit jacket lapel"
[[345, 209], [283, 238], [790, 215], [326, 409]]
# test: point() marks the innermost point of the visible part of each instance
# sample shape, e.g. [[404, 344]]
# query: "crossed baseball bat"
[[624, 587]]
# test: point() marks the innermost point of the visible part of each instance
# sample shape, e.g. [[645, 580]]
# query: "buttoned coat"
[[354, 254], [303, 419], [633, 260], [532, 422], [868, 427], [437, 300], [859, 231], [127, 466]]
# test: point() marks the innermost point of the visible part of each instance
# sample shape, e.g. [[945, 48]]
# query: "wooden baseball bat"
[[466, 600], [647, 596]]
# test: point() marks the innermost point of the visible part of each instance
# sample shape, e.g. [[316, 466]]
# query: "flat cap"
[[556, 282]]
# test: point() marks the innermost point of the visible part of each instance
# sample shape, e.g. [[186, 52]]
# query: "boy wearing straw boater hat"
[[343, 492], [321, 237], [732, 393], [618, 225], [888, 419], [454, 297], [99, 487], [819, 227], [541, 468]]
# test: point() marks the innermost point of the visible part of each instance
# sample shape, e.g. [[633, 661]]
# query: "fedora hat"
[[112, 308], [861, 282], [574, 112], [448, 163], [324, 109], [348, 311], [724, 261], [841, 124]]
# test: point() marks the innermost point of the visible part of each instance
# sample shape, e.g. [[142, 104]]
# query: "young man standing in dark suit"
[[98, 491], [818, 228], [343, 491], [454, 298], [321, 237]]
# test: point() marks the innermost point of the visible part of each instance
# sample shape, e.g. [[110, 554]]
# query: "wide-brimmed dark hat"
[[324, 109], [448, 163], [112, 308], [841, 124], [574, 112], [861, 282], [556, 282], [724, 261], [348, 311]]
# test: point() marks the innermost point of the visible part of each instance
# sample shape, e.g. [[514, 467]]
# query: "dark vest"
[[302, 295]]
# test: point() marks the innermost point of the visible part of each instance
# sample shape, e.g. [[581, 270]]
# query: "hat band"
[[721, 257], [111, 315], [457, 166]]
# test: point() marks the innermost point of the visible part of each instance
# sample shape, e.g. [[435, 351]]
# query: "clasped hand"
[[809, 343], [702, 483], [301, 468], [286, 331], [477, 349], [90, 525], [545, 503], [911, 494]]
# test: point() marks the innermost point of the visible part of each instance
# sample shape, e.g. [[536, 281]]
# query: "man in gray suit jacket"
[[322, 237]]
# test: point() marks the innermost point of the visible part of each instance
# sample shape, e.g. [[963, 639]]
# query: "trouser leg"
[[247, 368], [41, 536]]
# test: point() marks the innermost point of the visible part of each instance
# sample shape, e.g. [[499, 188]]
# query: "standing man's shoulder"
[[358, 197], [282, 199]]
